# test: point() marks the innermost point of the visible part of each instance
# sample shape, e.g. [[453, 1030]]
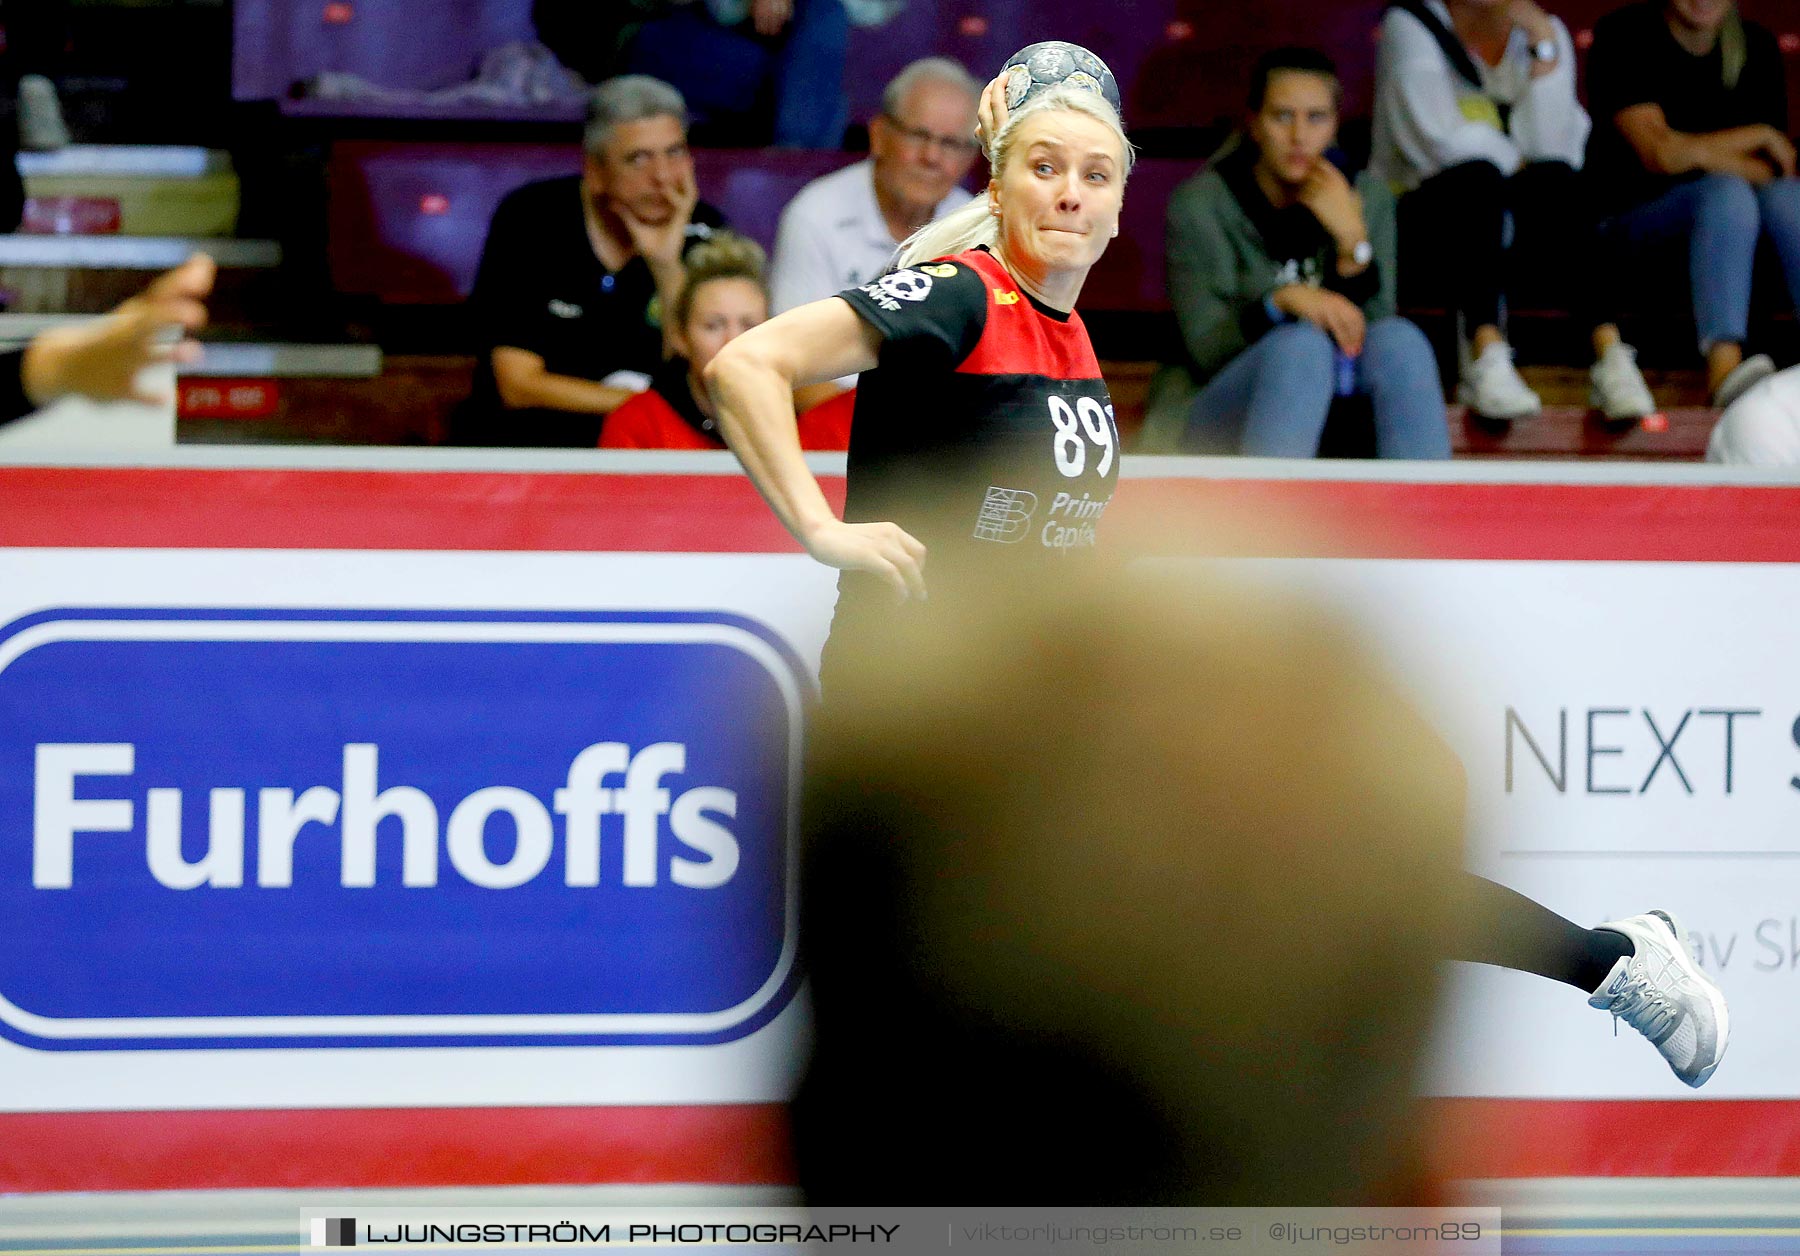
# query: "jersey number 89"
[[1070, 448]]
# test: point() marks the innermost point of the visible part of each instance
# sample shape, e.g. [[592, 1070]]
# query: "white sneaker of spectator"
[[1492, 387], [1744, 376], [41, 125], [1616, 387]]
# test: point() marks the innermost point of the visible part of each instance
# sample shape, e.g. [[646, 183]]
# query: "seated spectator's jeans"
[[1721, 217], [1276, 394], [727, 73], [1482, 241]]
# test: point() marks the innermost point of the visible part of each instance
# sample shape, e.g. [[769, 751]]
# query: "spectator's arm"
[[1216, 323], [1416, 91], [525, 384], [1666, 151], [1548, 122]]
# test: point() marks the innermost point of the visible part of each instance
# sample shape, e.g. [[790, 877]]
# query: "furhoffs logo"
[[252, 828]]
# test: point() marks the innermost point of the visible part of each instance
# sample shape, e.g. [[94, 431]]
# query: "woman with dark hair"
[[1692, 148], [1478, 129], [1281, 272]]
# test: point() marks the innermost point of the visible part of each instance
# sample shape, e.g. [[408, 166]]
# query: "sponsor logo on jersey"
[[942, 272], [566, 309], [348, 828], [1071, 522], [902, 285], [1005, 515], [1003, 297]]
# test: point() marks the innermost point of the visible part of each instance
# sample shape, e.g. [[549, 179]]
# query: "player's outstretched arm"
[[752, 384], [101, 358]]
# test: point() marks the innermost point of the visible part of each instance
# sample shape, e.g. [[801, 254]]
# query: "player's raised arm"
[[752, 384]]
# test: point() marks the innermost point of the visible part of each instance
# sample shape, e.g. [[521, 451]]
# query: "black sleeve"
[[933, 314], [1616, 77], [14, 404]]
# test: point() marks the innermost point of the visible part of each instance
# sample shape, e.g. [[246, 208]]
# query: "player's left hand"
[[885, 550], [769, 16], [101, 359], [991, 112], [661, 244]]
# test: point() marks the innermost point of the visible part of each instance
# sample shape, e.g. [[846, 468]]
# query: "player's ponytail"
[[974, 224], [966, 227]]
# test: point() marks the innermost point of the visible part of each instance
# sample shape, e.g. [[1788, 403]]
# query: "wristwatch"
[[1544, 50]]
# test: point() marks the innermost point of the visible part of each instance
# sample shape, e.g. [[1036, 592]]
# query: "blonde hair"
[[974, 224], [726, 255], [1734, 49]]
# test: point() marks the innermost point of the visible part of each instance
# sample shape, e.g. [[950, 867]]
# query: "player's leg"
[[1638, 968]]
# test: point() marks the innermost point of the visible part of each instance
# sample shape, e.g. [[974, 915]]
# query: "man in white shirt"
[[842, 229]]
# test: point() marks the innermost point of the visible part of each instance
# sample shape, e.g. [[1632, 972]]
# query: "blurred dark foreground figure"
[[1135, 895]]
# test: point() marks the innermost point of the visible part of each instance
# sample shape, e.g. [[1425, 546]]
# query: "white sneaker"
[[41, 126], [1616, 387], [1492, 387], [1660, 992], [1744, 376]]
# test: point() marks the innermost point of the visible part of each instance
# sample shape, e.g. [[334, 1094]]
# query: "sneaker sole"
[[1463, 400], [1714, 995], [1631, 416]]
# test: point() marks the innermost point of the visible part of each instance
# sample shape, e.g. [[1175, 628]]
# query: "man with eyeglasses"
[[841, 230]]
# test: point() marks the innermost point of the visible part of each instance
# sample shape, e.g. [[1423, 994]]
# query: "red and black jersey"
[[985, 430]]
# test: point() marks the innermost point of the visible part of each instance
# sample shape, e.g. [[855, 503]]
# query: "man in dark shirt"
[[577, 271]]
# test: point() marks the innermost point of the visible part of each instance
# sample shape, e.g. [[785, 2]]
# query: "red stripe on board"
[[1527, 1138], [747, 1144], [402, 510], [1666, 523], [725, 1144]]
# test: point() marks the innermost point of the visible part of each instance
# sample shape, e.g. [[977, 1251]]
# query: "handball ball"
[[1031, 70]]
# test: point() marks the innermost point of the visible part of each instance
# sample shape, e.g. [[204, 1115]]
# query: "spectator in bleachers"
[[1478, 129], [1691, 148], [1281, 274], [842, 230], [725, 295], [751, 70], [576, 272]]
